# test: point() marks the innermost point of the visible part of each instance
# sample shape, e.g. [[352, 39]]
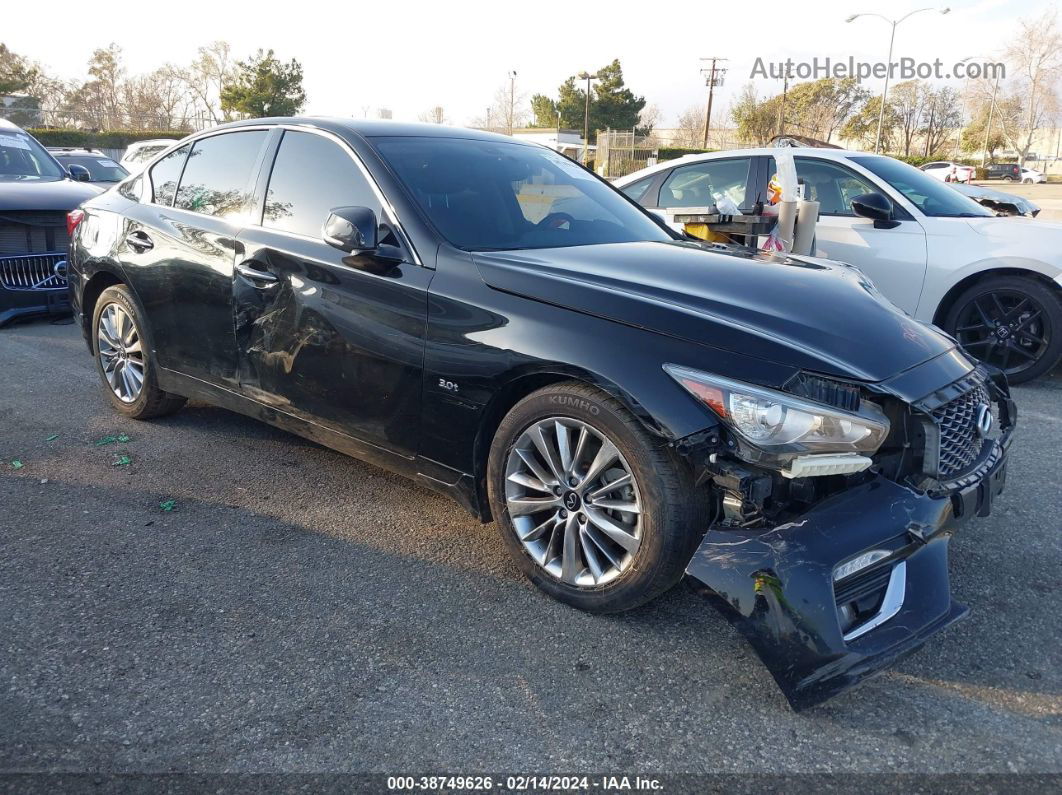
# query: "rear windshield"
[[100, 168], [23, 159], [493, 196], [929, 195]]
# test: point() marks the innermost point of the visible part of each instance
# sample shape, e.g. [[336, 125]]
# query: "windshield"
[[22, 158], [101, 169], [145, 153], [929, 195], [492, 196]]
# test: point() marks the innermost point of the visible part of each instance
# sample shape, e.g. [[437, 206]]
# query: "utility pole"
[[781, 108], [714, 77], [512, 99], [586, 111]]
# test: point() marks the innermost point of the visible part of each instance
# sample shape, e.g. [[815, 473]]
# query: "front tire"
[[124, 360], [1012, 322], [596, 512]]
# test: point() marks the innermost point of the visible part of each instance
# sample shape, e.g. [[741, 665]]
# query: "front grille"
[[31, 273], [32, 232], [960, 442]]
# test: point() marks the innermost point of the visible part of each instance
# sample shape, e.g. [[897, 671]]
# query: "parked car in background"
[[1008, 172], [1000, 202], [993, 283], [36, 193], [627, 405], [103, 171], [1031, 176], [947, 171], [140, 152]]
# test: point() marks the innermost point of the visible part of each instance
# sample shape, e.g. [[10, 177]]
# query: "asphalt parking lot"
[[300, 611]]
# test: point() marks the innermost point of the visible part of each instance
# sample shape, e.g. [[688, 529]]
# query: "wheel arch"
[[521, 383], [90, 295], [945, 304]]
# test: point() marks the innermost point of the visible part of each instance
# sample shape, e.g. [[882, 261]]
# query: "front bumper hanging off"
[[779, 590]]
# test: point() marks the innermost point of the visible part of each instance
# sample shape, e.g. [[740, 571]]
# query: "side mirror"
[[351, 229], [875, 207], [78, 173], [355, 230]]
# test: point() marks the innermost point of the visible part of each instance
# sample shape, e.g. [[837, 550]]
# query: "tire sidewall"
[[581, 405], [123, 297]]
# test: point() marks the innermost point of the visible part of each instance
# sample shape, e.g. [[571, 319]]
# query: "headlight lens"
[[774, 427]]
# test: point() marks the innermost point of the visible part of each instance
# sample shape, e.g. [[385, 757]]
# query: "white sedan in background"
[[993, 282], [1031, 175], [946, 171], [139, 153]]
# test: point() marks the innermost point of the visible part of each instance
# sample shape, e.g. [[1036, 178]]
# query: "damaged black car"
[[497, 323]]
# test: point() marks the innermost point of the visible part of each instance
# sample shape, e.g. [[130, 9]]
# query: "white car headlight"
[[774, 427]]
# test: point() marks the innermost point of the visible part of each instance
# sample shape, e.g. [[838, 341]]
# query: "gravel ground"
[[301, 611]]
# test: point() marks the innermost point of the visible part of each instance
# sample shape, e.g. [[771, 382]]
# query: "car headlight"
[[773, 428]]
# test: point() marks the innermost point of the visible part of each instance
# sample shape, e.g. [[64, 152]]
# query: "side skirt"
[[456, 485]]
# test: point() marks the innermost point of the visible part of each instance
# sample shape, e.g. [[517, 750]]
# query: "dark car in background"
[[103, 171], [1008, 172], [36, 194], [501, 325]]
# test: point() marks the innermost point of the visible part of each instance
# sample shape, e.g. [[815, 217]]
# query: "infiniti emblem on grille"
[[984, 419]]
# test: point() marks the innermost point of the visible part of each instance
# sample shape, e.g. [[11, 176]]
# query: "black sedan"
[[502, 326]]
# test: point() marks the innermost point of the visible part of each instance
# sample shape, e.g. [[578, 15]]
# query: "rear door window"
[[218, 178], [703, 184], [165, 175]]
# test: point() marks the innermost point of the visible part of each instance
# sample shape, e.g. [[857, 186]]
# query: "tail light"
[[73, 218]]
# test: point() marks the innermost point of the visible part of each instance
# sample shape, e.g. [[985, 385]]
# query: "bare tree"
[[1034, 57], [434, 115], [506, 112], [690, 129], [207, 77]]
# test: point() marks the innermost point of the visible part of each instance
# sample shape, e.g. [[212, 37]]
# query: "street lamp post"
[[586, 111], [888, 64], [512, 98], [988, 124]]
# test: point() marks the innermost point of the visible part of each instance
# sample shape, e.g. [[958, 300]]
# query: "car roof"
[[152, 142], [8, 125], [759, 151], [375, 128], [58, 151]]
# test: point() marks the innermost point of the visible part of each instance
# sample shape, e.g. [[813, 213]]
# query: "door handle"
[[254, 274], [139, 241]]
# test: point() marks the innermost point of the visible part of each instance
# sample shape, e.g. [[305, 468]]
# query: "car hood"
[[59, 194], [808, 313], [1017, 229]]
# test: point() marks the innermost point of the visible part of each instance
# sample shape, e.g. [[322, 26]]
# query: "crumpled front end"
[[836, 591]]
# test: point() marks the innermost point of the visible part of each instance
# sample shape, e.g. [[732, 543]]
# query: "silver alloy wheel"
[[573, 501], [121, 355]]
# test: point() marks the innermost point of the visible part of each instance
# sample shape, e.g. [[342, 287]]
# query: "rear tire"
[[126, 364], [1012, 322], [603, 576]]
